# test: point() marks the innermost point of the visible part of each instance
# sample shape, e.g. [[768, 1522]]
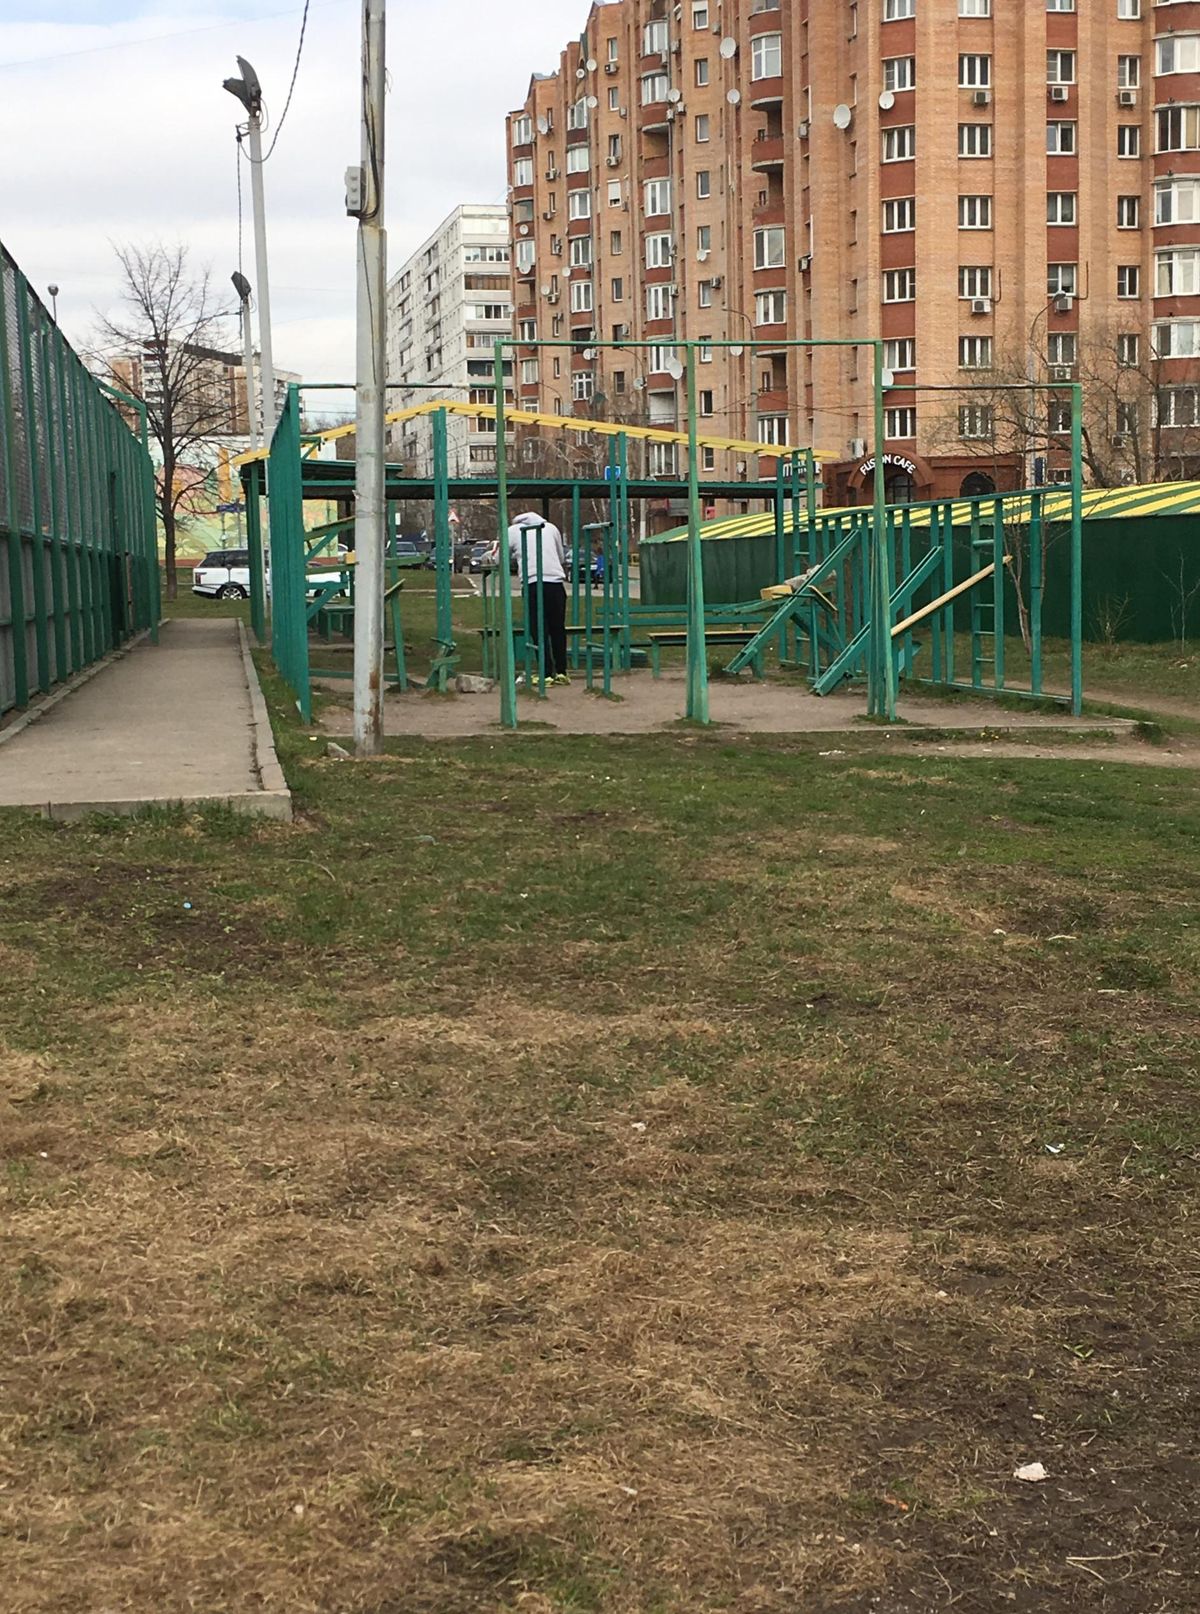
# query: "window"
[[1129, 212], [974, 422], [660, 357], [577, 160], [1128, 345], [660, 302], [899, 73], [900, 353], [522, 131], [974, 212], [1177, 53], [974, 72], [701, 71], [1062, 279], [1177, 128], [1060, 138], [614, 99], [1060, 67], [614, 193], [1058, 415], [523, 171], [614, 148], [899, 215], [1060, 207], [654, 88], [658, 197], [1128, 10], [703, 184], [1129, 72], [704, 290], [1177, 201], [581, 252], [655, 37], [579, 204], [974, 352], [702, 128], [899, 285], [1129, 140], [770, 308], [766, 56], [1060, 5], [618, 289], [897, 10], [773, 429], [1061, 347], [899, 423], [704, 351], [708, 459], [1179, 406], [700, 16], [704, 240], [660, 251], [974, 8], [770, 247], [528, 330], [1171, 339], [1177, 272], [525, 252], [616, 243], [581, 297], [974, 140], [899, 144], [612, 50], [583, 386], [706, 401], [974, 280]]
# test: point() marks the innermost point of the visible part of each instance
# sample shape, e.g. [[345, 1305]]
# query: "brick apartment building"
[[218, 383], [1002, 189]]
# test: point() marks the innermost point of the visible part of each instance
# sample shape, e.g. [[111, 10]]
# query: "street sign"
[[235, 507], [612, 473]]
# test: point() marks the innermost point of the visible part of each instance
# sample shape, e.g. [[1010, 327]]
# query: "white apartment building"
[[446, 307]]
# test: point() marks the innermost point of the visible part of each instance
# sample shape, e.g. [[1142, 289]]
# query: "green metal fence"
[[78, 542], [286, 587]]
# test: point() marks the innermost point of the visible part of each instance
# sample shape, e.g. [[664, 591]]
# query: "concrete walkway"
[[180, 721]]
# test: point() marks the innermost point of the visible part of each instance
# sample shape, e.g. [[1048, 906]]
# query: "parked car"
[[597, 568], [477, 561], [406, 552], [223, 574]]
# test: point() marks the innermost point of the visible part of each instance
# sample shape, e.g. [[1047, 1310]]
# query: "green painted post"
[[258, 575], [579, 567], [57, 512], [506, 668], [443, 548], [779, 506], [905, 569], [1037, 580], [947, 612], [37, 542], [16, 590], [71, 473], [697, 654], [1076, 548], [998, 551], [622, 547], [881, 668]]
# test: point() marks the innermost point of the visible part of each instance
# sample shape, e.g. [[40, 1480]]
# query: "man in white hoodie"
[[537, 545]]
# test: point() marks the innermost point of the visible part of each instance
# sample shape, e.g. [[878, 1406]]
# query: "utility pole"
[[364, 201], [242, 286], [248, 91]]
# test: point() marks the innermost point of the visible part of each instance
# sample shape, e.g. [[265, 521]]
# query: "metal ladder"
[[983, 610]]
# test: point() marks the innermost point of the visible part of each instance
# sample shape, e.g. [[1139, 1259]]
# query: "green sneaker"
[[560, 678]]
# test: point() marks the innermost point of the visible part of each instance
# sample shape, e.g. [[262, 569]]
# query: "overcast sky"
[[115, 128]]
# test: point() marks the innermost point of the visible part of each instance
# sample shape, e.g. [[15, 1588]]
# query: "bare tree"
[[161, 350]]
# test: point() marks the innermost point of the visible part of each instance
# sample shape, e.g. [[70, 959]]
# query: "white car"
[[223, 574]]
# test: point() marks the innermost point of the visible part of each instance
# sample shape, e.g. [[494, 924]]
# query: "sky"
[[115, 129]]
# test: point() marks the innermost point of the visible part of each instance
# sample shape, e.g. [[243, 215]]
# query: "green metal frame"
[[78, 542]]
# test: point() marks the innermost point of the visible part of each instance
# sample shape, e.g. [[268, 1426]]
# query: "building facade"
[[445, 309], [1002, 190]]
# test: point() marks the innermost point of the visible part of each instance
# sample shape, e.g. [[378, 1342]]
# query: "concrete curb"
[[47, 703], [276, 798], [272, 804]]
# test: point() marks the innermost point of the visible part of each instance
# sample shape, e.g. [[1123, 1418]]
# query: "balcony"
[[766, 92], [766, 154]]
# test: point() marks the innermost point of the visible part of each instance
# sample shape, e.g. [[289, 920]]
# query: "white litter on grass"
[[1034, 1473], [638, 1126], [1055, 1148], [831, 753]]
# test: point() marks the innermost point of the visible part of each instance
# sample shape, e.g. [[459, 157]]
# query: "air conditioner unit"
[[612, 162], [806, 263], [676, 48], [981, 305], [981, 98], [1058, 92], [552, 297], [1060, 372], [622, 112], [858, 447], [717, 282], [612, 68], [802, 130], [1126, 97], [552, 173], [1119, 439], [548, 214], [1063, 303]]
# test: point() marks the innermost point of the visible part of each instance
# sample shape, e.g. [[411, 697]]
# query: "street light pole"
[[53, 290], [248, 91], [364, 200], [242, 286]]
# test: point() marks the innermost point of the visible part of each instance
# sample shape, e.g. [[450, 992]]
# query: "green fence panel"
[[285, 517], [78, 549]]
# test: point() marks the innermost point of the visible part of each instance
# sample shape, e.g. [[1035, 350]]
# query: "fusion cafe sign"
[[897, 462]]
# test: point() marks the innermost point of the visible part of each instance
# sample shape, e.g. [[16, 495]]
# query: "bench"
[[721, 638]]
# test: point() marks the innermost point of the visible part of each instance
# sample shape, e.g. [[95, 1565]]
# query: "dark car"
[[478, 561]]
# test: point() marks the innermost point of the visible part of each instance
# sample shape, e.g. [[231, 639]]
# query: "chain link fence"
[[78, 539]]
